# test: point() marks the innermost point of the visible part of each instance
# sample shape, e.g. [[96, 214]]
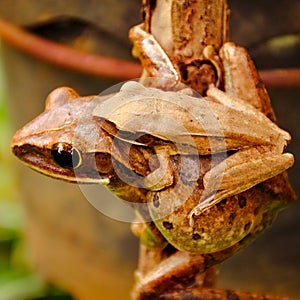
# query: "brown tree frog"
[[75, 138], [180, 154], [192, 160]]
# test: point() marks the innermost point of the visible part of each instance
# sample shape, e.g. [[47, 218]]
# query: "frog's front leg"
[[239, 172], [162, 176], [155, 61]]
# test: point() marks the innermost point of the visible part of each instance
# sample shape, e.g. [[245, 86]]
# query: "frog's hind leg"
[[238, 173], [241, 79]]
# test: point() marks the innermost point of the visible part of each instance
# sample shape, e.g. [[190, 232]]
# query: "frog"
[[64, 148], [81, 139], [96, 139], [155, 103]]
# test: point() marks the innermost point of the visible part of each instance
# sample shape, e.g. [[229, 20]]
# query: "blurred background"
[[53, 243]]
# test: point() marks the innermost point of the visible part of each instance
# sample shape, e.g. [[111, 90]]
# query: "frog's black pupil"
[[65, 155]]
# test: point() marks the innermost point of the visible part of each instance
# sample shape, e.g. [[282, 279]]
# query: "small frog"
[[135, 140], [77, 139]]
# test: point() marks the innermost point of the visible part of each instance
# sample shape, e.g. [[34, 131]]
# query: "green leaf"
[[23, 287]]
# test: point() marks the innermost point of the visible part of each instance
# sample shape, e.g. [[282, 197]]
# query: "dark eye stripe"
[[66, 156]]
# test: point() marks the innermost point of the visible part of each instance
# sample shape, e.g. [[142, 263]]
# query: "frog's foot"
[[238, 173], [162, 176]]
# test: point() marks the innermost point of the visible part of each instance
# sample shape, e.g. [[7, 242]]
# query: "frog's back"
[[201, 124]]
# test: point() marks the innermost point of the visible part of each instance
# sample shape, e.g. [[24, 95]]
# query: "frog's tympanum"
[[192, 160]]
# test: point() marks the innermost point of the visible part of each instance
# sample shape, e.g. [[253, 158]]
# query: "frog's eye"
[[66, 156]]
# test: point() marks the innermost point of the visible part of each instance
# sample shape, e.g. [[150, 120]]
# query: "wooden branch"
[[173, 24], [281, 78]]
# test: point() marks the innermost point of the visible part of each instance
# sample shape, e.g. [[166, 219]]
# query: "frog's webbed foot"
[[162, 176], [238, 173]]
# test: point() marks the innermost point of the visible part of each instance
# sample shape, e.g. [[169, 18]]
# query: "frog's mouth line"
[[41, 161]]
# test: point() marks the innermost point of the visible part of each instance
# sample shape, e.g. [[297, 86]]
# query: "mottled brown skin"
[[218, 228], [173, 278]]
